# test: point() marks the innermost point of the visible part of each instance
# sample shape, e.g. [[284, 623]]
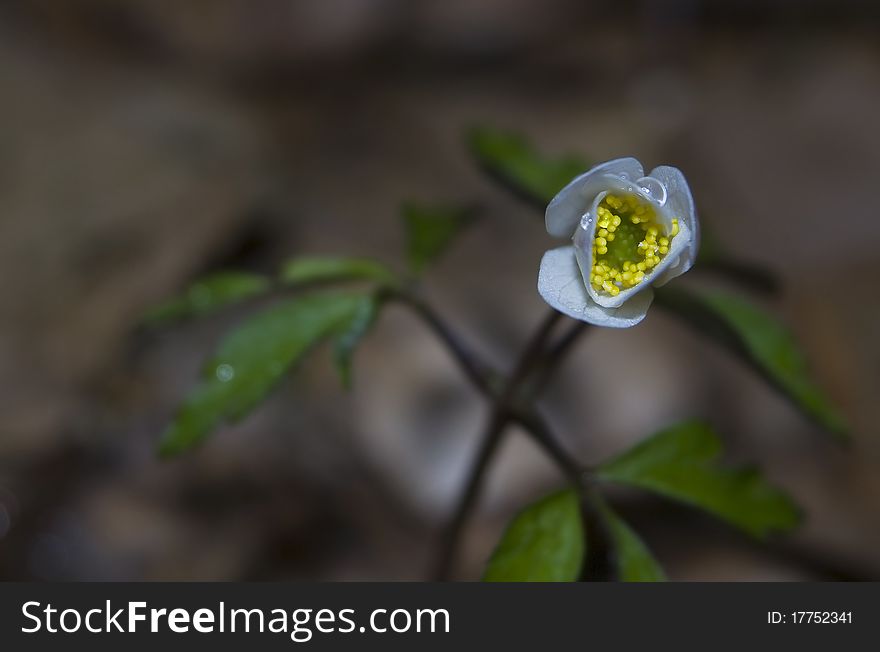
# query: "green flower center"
[[629, 242]]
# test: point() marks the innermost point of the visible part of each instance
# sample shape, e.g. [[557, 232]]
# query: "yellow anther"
[[640, 247]]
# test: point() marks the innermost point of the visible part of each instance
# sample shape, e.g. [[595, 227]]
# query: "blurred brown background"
[[146, 142]]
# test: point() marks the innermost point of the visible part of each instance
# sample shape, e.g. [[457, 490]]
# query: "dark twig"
[[498, 420], [542, 433], [467, 500], [512, 401], [486, 379], [554, 357], [483, 376]]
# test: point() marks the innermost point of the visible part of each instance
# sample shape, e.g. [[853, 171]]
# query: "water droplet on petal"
[[586, 220], [653, 188]]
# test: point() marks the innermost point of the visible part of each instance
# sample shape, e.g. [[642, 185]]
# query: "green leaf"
[[252, 360], [544, 543], [352, 333], [680, 463], [635, 563], [327, 269], [510, 159], [430, 229], [209, 294], [762, 341]]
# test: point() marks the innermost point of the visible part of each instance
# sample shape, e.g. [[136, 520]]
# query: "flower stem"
[[483, 377], [512, 401], [504, 410]]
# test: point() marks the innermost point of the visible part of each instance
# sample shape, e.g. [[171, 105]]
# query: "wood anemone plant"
[[631, 233]]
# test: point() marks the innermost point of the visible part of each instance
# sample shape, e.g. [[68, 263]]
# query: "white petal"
[[679, 203], [565, 210], [561, 285]]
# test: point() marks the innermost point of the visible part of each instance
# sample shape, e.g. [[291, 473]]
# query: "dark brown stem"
[[554, 357], [511, 401], [538, 427], [483, 377], [466, 502], [498, 419]]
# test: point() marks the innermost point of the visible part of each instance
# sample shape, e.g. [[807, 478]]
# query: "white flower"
[[629, 231]]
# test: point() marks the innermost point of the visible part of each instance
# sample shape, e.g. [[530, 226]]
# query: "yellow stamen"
[[629, 241]]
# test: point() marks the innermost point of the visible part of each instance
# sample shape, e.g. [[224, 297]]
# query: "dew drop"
[[225, 372], [653, 189]]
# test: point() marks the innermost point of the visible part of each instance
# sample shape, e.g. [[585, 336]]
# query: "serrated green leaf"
[[333, 269], [544, 543], [430, 229], [209, 294], [634, 560], [681, 463], [252, 360], [762, 340], [351, 334], [510, 159]]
